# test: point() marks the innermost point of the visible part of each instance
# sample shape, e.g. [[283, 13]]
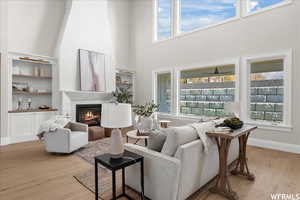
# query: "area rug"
[[87, 178]]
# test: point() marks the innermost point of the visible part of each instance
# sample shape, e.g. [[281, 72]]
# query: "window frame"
[[286, 55], [155, 21], [246, 11], [233, 61], [178, 20], [154, 88], [241, 12]]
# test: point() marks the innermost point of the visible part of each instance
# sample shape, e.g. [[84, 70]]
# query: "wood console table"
[[223, 140]]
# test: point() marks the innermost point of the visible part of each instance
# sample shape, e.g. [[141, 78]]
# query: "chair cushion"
[[78, 134], [178, 136], [156, 140]]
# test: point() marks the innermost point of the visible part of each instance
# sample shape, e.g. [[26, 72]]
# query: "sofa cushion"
[[177, 136], [156, 140]]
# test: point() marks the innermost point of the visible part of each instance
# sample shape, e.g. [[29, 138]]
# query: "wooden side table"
[[164, 123], [223, 140]]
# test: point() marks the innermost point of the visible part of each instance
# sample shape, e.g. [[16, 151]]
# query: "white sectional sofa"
[[176, 177]]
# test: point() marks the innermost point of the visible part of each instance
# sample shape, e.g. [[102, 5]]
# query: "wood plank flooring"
[[27, 172]]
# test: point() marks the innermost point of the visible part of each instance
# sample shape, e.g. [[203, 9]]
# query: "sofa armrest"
[[74, 126], [161, 171]]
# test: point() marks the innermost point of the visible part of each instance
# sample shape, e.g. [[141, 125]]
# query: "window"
[[163, 91], [195, 14], [164, 12], [203, 91], [266, 97], [175, 17], [269, 90], [256, 5]]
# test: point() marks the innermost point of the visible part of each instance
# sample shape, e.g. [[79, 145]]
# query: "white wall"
[[121, 31], [33, 26], [93, 25], [278, 29]]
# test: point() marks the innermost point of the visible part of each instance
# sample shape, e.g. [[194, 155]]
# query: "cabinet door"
[[21, 127], [40, 118]]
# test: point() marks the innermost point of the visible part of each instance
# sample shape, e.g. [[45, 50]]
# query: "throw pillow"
[[178, 136], [156, 140]]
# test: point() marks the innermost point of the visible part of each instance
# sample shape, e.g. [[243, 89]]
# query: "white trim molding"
[[292, 148], [154, 86], [4, 141], [246, 10], [26, 138]]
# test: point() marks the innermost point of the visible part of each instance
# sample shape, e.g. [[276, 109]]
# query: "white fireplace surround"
[[72, 98]]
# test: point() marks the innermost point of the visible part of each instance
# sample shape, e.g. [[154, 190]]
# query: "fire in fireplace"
[[89, 114]]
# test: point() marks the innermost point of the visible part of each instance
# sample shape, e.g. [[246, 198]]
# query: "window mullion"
[[175, 17]]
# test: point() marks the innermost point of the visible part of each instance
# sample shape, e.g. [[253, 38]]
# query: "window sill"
[[269, 126], [184, 117]]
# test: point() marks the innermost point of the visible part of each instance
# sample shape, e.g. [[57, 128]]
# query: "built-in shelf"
[[33, 110], [35, 61], [31, 76], [120, 83], [32, 93]]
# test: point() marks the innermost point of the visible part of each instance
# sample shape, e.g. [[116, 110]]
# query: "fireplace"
[[89, 114]]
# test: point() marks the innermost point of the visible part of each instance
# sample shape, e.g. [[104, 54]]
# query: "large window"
[[176, 17], [267, 90], [256, 5], [195, 14], [164, 13], [203, 91], [163, 91], [268, 93]]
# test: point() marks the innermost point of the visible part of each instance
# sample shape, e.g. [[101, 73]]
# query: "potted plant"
[[123, 95], [144, 120]]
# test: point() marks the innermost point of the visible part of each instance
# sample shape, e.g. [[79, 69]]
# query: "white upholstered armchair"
[[67, 139]]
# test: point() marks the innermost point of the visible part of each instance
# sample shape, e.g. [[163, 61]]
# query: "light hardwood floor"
[[27, 172]]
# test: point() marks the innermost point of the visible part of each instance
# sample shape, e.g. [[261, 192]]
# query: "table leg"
[[241, 167], [114, 196], [142, 179], [96, 180], [126, 139], [146, 142], [123, 180], [222, 186]]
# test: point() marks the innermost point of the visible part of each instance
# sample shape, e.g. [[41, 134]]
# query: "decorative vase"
[[145, 124]]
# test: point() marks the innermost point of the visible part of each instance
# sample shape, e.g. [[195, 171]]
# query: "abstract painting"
[[92, 70]]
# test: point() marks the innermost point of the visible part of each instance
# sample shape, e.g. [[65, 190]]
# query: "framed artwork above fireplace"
[[92, 70]]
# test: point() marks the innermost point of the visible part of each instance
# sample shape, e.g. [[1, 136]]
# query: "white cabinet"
[[24, 126]]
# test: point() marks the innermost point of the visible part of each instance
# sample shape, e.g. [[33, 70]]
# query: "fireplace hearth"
[[89, 114]]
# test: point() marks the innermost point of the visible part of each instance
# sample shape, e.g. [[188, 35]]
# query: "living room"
[[153, 81]]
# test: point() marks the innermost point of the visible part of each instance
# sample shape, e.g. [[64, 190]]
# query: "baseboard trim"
[[292, 148], [4, 141], [23, 139]]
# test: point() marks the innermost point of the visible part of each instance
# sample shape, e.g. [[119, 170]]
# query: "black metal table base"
[[124, 195], [114, 195]]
